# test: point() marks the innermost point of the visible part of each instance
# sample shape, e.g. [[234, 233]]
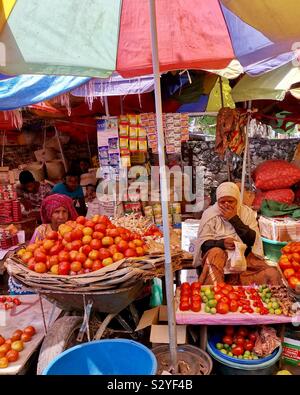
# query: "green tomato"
[[212, 303], [223, 351], [255, 357], [211, 296], [246, 357], [278, 311], [226, 346], [230, 354], [268, 295], [207, 309], [207, 292], [267, 301], [240, 357], [205, 299], [213, 310], [271, 311], [247, 353], [270, 305], [275, 305], [219, 346], [250, 357]]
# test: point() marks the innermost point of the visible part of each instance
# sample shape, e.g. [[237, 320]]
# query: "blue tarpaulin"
[[25, 90]]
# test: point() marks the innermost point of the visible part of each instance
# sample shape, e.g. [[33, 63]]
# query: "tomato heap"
[[238, 342], [224, 298], [289, 263], [10, 348], [82, 246], [190, 298], [153, 230], [7, 302]]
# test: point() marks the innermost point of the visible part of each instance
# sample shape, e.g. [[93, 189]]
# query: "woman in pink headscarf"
[[55, 210]]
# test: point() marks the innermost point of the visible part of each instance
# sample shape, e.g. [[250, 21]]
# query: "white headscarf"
[[214, 227]]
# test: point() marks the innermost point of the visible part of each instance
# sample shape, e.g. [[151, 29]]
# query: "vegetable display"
[[225, 298], [82, 246], [10, 348], [289, 263]]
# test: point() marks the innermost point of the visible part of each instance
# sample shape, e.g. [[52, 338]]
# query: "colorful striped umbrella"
[[94, 38]]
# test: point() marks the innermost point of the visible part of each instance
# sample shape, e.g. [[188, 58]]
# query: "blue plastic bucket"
[[272, 249], [107, 357]]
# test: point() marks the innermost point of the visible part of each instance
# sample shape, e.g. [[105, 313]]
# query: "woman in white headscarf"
[[226, 222]]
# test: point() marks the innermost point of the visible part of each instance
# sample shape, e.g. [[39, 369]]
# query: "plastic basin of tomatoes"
[[217, 338]]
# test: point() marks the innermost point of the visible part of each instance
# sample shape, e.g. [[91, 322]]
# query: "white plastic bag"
[[236, 262]]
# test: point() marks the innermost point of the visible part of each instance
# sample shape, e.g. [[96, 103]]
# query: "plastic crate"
[[272, 248]]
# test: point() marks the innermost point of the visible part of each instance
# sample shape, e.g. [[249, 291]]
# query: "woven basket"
[[119, 274]]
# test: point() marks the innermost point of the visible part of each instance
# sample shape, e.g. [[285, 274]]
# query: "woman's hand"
[[229, 244], [228, 211]]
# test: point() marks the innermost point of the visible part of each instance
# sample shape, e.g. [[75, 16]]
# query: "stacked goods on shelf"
[[7, 240], [10, 207], [273, 179]]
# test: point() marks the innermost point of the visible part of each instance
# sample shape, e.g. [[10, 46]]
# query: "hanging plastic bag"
[[236, 262], [156, 298]]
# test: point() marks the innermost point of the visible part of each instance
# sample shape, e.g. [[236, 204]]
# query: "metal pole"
[[245, 153], [164, 193]]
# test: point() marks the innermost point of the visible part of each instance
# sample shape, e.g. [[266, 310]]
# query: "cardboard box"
[[159, 333]]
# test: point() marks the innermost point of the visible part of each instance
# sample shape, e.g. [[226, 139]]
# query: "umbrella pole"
[[245, 152], [164, 193]]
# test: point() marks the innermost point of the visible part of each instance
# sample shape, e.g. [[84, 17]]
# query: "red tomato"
[[185, 292], [184, 306], [288, 273], [249, 345], [225, 299], [242, 331], [229, 330], [293, 281], [222, 308], [185, 286], [195, 291], [30, 330], [227, 340], [229, 287], [296, 266], [221, 285], [240, 341], [217, 288], [238, 350], [184, 298], [196, 286], [196, 298], [218, 297], [12, 356], [225, 291], [233, 305], [233, 296], [196, 305], [63, 268]]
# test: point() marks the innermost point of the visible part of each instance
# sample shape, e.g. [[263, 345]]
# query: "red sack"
[[279, 195], [275, 174]]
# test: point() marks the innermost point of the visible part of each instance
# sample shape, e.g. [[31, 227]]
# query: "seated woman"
[[55, 210], [221, 225]]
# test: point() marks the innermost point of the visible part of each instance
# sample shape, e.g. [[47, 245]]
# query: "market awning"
[[115, 86], [97, 38], [273, 85], [25, 90]]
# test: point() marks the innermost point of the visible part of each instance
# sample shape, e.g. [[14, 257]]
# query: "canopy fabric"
[[98, 37], [6, 7], [24, 90], [273, 85], [115, 86], [276, 19]]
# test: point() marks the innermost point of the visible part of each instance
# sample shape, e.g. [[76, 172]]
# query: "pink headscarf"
[[53, 202]]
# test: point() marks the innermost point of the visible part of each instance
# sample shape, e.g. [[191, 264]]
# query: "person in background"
[[32, 192], [71, 187], [84, 165], [221, 225], [55, 210], [93, 203]]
